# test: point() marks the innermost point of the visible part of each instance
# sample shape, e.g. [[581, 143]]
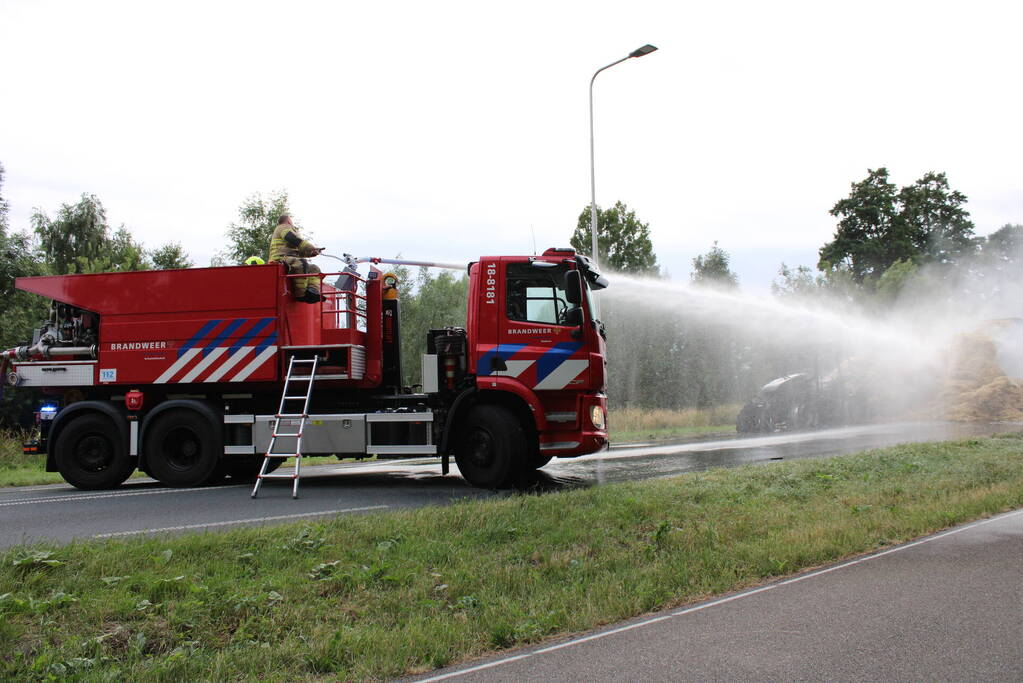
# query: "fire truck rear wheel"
[[490, 446], [90, 453], [182, 448]]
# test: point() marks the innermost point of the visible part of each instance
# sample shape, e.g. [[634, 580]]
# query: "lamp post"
[[639, 52]]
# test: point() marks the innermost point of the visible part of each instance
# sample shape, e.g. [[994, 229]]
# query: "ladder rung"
[[295, 398], [283, 455], [277, 476], [291, 416], [280, 434], [304, 361]]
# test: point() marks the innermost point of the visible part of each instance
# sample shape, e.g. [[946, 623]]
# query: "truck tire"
[[536, 459], [182, 448], [491, 446], [90, 454]]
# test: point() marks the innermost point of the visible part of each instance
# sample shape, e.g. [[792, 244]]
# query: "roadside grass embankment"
[[642, 424], [18, 468], [379, 595], [627, 425]]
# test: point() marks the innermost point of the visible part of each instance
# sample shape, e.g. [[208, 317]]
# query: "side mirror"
[[574, 287], [573, 316]]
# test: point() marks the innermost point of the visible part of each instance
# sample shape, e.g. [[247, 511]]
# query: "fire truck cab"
[[180, 373]]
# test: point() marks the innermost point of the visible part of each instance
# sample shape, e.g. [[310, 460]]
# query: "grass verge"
[[637, 424], [376, 596], [18, 468]]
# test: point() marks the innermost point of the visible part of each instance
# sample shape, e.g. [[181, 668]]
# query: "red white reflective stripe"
[[216, 361]]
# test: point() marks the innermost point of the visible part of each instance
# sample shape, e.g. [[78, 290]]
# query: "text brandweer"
[[135, 346]]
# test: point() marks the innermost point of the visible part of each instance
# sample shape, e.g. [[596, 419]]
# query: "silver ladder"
[[287, 398]]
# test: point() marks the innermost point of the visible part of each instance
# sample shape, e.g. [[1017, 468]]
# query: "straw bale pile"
[[976, 387]]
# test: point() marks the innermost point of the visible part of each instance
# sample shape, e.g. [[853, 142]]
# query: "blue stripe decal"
[[244, 339], [505, 351], [270, 339], [203, 331], [219, 339], [549, 361]]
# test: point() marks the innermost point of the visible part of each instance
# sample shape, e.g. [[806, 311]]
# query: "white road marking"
[[308, 469], [186, 527], [95, 496], [719, 601]]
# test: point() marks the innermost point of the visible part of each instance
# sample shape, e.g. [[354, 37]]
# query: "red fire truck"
[[180, 373]]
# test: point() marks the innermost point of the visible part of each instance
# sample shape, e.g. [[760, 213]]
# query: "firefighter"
[[288, 247]]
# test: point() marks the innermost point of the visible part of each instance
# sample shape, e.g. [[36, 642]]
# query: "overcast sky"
[[451, 130]]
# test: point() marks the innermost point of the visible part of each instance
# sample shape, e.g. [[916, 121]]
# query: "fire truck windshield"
[[536, 294]]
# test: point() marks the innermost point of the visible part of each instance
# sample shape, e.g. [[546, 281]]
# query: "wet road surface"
[[645, 461], [61, 513], [947, 607]]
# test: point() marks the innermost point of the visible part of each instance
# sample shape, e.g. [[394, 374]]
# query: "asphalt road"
[[61, 513], [948, 607]]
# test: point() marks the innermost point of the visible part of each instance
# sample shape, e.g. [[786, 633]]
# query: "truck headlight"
[[597, 417]]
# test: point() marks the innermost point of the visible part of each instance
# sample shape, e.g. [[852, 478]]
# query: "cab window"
[[536, 295]]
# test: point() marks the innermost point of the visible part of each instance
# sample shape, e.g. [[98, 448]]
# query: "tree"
[[251, 235], [941, 227], [1004, 245], [622, 239], [120, 252], [894, 280], [20, 311], [995, 274], [712, 269], [834, 284], [78, 240], [437, 301], [4, 208], [75, 238], [878, 226], [798, 283], [169, 257]]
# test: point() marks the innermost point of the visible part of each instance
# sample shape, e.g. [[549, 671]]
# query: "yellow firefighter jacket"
[[286, 241]]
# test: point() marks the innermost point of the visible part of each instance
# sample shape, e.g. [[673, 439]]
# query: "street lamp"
[[638, 52]]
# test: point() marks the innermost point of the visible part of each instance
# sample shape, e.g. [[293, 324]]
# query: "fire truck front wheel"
[[182, 448], [90, 453], [491, 445]]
